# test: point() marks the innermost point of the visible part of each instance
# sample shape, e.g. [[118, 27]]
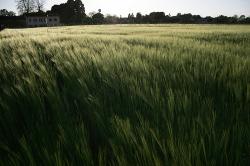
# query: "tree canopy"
[[73, 11], [4, 12], [29, 6]]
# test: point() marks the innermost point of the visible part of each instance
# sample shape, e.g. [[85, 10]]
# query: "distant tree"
[[39, 5], [186, 18], [235, 16], [242, 17], [91, 14], [109, 19], [196, 19], [247, 20], [209, 19], [131, 15], [98, 18], [222, 19], [167, 18], [157, 17], [233, 20], [131, 18], [61, 10], [71, 12], [87, 20], [25, 6], [4, 12], [138, 15], [79, 11]]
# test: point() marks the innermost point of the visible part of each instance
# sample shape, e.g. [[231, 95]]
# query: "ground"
[[125, 95]]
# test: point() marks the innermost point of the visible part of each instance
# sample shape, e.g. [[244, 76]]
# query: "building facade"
[[41, 21]]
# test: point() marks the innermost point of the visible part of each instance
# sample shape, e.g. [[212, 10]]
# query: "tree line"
[[161, 17], [73, 12]]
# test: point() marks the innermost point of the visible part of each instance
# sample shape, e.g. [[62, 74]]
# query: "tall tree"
[[139, 17], [39, 5], [71, 12], [25, 6], [98, 18], [242, 17], [79, 11], [157, 17]]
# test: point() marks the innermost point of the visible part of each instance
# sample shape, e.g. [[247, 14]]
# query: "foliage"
[[4, 12], [111, 19], [25, 6], [160, 17], [29, 6], [39, 5], [72, 12], [125, 95], [98, 18]]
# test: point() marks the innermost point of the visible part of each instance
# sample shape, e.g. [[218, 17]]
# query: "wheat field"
[[125, 95]]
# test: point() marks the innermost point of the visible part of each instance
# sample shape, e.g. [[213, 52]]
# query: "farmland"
[[125, 95]]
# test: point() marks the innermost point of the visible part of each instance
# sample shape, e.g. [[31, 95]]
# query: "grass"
[[125, 95]]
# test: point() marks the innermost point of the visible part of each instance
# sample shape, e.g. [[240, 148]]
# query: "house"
[[37, 19], [41, 21]]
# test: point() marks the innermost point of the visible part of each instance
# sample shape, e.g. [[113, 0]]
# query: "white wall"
[[53, 20]]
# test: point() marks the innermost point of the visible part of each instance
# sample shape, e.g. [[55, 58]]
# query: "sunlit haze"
[[121, 7]]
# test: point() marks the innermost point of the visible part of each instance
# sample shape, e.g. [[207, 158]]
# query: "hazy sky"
[[123, 7]]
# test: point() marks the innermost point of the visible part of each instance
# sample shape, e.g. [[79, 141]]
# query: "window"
[[29, 19], [40, 20], [35, 19], [50, 20], [55, 19]]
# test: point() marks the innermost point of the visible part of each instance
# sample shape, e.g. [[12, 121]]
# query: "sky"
[[123, 7]]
